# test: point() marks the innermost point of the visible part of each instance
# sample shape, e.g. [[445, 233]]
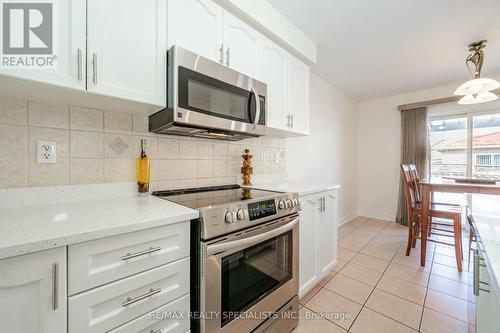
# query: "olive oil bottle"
[[142, 171]]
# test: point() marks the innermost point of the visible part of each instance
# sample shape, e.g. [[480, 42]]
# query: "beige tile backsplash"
[[97, 146]]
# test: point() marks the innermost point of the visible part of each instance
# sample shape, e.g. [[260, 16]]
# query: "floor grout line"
[[391, 234]]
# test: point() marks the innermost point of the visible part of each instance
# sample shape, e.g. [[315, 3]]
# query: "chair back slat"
[[415, 179], [410, 186]]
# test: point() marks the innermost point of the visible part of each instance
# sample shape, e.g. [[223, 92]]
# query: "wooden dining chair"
[[437, 228]]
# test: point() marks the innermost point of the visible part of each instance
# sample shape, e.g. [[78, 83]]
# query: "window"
[[496, 159], [465, 146], [483, 160], [448, 147]]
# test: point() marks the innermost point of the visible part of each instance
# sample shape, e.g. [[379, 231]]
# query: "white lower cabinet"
[[317, 238], [33, 292], [170, 318], [101, 261], [135, 282], [116, 303]]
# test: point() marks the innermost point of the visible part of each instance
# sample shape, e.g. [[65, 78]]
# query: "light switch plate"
[[46, 152]]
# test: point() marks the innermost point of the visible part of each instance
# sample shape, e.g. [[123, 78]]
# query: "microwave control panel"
[[261, 209]]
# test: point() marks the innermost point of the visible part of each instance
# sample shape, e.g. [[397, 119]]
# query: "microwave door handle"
[[257, 107], [252, 240]]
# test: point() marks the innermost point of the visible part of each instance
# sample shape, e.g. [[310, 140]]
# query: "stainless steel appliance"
[[207, 99], [244, 259]]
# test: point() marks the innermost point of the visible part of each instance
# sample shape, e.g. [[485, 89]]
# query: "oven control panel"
[[257, 210]]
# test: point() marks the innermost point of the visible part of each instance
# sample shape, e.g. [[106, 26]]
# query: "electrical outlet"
[[46, 152]]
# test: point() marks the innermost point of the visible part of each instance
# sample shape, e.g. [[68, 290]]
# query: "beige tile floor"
[[375, 287]]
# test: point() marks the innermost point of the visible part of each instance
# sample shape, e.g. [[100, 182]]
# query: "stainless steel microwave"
[[207, 99]]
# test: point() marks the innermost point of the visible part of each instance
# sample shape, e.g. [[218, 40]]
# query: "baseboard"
[[378, 215], [346, 218]]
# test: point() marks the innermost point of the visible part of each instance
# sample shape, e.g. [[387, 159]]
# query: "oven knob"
[[288, 203], [229, 217], [240, 214], [295, 202], [281, 204]]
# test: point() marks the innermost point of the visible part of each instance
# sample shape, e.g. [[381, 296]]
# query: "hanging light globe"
[[479, 89]]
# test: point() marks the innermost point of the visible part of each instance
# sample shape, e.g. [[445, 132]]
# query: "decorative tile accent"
[[119, 146]]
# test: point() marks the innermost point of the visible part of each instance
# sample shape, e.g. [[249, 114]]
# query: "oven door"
[[248, 277], [209, 95]]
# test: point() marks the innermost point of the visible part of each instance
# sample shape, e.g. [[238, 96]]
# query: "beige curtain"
[[414, 148]]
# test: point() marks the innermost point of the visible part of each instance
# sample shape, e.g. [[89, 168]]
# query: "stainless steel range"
[[244, 271]]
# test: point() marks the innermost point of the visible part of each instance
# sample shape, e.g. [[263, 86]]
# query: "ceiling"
[[376, 48]]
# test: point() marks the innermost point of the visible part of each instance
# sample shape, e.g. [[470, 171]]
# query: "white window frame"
[[452, 111]]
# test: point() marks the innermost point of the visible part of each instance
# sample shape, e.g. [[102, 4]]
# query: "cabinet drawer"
[[104, 308], [159, 320], [94, 263]]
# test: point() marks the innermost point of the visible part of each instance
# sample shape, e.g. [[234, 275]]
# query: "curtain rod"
[[434, 102]]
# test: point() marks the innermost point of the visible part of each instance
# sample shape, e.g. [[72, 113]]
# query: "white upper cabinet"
[[33, 292], [241, 45], [196, 25], [272, 69], [298, 95], [126, 53], [68, 48]]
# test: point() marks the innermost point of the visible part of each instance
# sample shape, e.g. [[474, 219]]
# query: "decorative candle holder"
[[247, 169]]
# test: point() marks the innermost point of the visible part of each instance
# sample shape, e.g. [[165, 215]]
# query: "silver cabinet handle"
[[55, 286], [150, 293], [153, 331], [257, 107], [79, 56], [141, 253], [228, 56], [324, 204], [291, 117], [94, 68], [221, 54], [288, 122]]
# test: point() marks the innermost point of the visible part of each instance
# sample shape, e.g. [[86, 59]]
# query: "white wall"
[[379, 152], [329, 153]]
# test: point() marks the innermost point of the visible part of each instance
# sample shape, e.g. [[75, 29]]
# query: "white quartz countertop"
[[486, 213], [40, 227], [301, 187]]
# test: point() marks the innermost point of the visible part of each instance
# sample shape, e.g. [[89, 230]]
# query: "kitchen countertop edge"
[[143, 219]]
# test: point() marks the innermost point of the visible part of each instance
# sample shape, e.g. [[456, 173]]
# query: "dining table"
[[443, 185]]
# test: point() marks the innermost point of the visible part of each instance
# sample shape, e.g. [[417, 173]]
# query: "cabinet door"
[[272, 70], [33, 292], [126, 54], [196, 25], [68, 43], [308, 245], [327, 233], [298, 95], [241, 45]]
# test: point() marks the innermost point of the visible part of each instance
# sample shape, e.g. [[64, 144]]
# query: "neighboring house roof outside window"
[[491, 140]]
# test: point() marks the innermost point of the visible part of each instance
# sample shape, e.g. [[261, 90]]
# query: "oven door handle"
[[252, 240], [257, 107]]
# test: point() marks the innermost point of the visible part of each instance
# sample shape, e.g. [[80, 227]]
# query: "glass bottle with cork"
[[142, 171]]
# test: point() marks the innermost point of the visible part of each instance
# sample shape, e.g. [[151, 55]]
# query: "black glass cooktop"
[[205, 196]]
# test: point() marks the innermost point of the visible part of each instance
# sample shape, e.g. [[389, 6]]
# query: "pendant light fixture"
[[478, 90]]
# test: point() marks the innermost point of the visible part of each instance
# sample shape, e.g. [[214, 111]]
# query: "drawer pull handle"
[[150, 293], [55, 286], [141, 253], [153, 331]]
